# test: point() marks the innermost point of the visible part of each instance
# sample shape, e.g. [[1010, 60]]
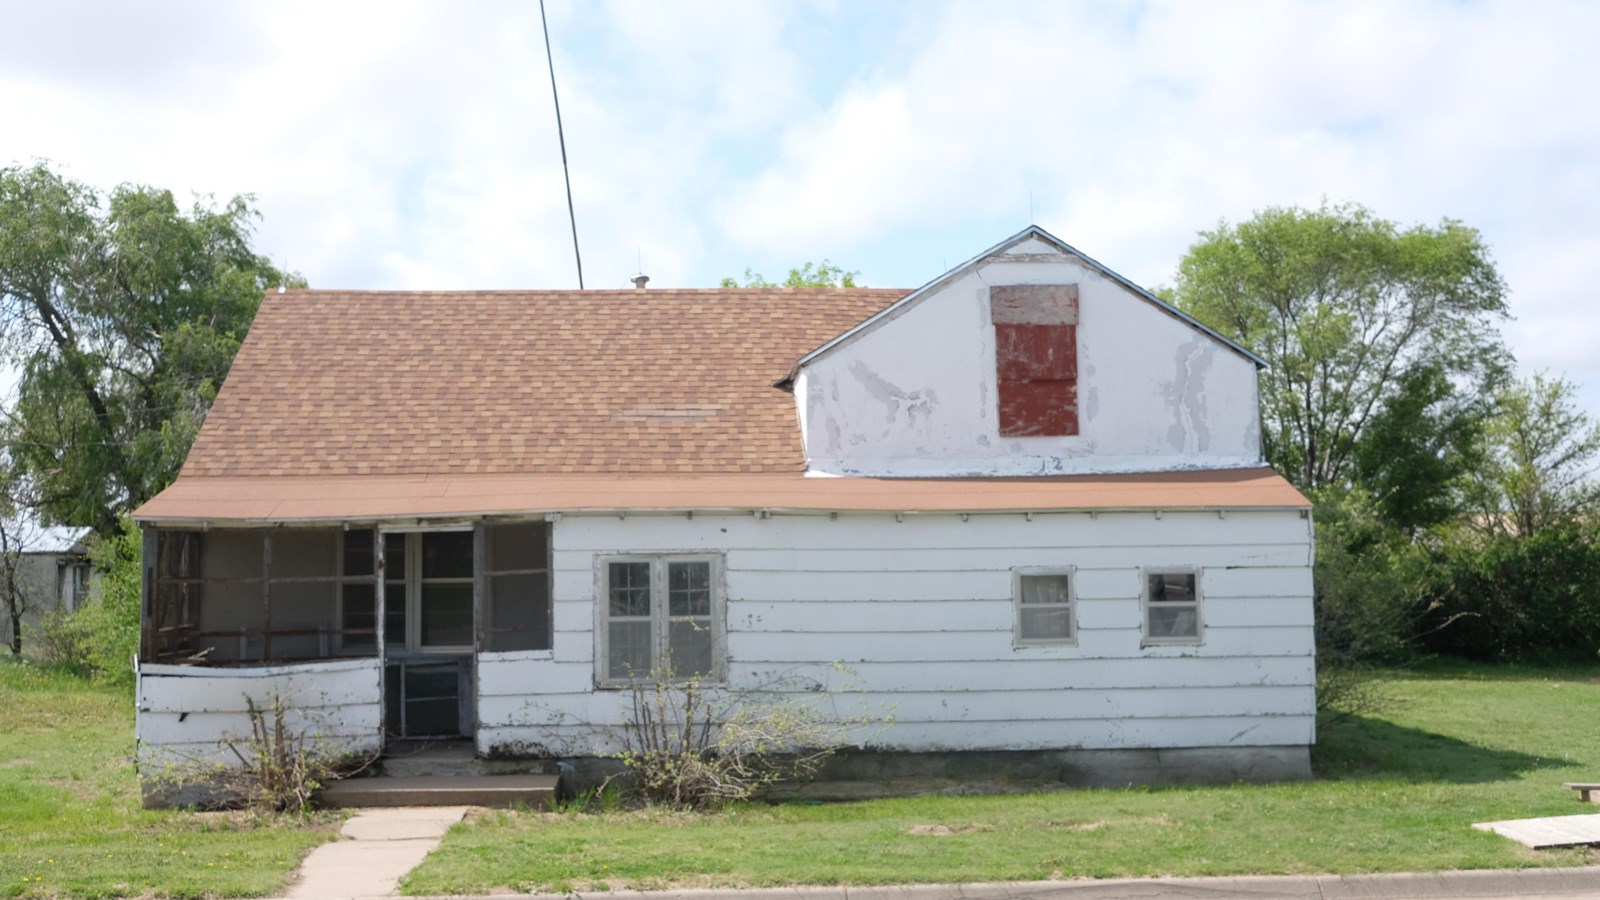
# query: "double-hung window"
[[1044, 601], [661, 618], [1172, 606]]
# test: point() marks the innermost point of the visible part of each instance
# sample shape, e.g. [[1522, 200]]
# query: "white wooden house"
[[1025, 505]]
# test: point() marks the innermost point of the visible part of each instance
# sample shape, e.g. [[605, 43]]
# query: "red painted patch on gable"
[[1036, 358]]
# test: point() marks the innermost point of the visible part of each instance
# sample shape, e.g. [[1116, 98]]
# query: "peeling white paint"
[[920, 613], [915, 395], [189, 714]]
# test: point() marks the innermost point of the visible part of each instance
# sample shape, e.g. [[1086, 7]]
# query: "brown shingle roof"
[[642, 382], [388, 497]]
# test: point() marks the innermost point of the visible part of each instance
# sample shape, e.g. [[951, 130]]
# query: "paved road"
[[1518, 884]]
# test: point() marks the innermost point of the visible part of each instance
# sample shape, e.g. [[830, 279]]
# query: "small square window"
[[1045, 613], [1172, 606]]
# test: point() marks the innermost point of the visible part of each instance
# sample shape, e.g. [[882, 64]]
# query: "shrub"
[[64, 639], [1509, 597], [688, 744], [108, 625], [277, 768], [1372, 590]]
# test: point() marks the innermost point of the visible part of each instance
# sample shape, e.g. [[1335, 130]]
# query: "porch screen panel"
[[172, 615], [233, 604], [516, 587], [303, 584]]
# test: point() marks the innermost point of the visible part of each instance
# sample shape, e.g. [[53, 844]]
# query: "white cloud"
[[411, 144]]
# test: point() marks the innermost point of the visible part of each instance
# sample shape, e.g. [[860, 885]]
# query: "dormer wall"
[[932, 388]]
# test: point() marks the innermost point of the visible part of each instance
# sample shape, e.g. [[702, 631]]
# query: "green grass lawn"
[[70, 820], [1395, 792]]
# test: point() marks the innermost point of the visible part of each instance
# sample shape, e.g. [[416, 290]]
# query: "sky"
[[412, 144]]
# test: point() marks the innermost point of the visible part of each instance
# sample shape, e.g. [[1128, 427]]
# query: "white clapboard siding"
[[579, 535], [179, 728], [1110, 734], [970, 706], [185, 708], [869, 586], [499, 676], [983, 615], [574, 615], [941, 646], [922, 611], [1089, 734], [1039, 668], [961, 615], [991, 559]]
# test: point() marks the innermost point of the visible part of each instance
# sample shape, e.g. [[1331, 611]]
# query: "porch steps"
[[442, 790]]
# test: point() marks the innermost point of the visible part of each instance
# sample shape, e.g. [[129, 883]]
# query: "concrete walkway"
[[380, 846]]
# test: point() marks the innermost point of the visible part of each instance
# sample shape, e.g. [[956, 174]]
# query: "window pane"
[[1172, 587], [689, 647], [629, 584], [358, 552], [394, 556], [1046, 588], [446, 615], [447, 554], [689, 588], [1174, 622], [394, 616], [628, 651], [1047, 624]]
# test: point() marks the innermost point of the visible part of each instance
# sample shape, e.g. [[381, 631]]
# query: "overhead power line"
[[562, 137]]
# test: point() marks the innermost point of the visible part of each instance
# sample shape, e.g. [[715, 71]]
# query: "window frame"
[[1198, 603], [345, 579], [410, 576], [660, 614], [1020, 572]]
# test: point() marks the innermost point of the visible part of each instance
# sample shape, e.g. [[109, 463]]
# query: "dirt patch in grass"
[[942, 830]]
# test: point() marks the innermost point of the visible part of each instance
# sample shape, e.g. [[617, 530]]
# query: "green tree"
[[121, 315], [1417, 452], [110, 622], [1543, 451], [809, 275], [1343, 306]]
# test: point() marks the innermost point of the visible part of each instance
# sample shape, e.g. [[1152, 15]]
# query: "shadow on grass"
[[1361, 748]]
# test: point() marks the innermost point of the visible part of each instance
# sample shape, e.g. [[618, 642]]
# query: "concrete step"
[[442, 790]]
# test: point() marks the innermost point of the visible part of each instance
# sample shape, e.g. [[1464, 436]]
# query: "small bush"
[[279, 768], [1524, 598], [1372, 591], [691, 745], [108, 625], [64, 639]]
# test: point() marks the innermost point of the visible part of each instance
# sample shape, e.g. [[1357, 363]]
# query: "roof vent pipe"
[[639, 281]]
